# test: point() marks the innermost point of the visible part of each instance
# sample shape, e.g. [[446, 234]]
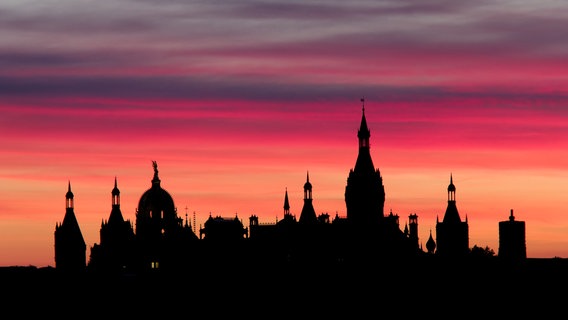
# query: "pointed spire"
[[115, 194], [364, 132], [69, 194], [286, 203], [307, 185], [115, 218], [308, 214], [451, 214], [115, 191], [451, 186], [69, 197]]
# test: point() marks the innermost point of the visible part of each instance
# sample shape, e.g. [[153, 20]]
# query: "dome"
[[156, 199]]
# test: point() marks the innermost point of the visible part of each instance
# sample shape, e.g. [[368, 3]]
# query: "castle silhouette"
[[163, 242]]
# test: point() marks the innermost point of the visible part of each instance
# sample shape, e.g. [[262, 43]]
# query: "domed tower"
[[70, 246], [364, 193], [156, 222]]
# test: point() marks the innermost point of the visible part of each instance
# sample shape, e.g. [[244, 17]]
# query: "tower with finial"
[[364, 193], [157, 224], [70, 246], [452, 234], [308, 215], [115, 252]]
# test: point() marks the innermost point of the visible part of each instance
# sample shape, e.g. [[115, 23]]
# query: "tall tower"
[[308, 215], [364, 193], [452, 235], [116, 249], [70, 247]]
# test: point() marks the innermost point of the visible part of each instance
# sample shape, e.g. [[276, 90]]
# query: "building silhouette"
[[162, 241], [364, 193], [115, 252], [70, 246], [512, 243], [162, 238], [452, 234]]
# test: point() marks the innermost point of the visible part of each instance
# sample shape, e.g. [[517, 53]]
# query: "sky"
[[237, 101]]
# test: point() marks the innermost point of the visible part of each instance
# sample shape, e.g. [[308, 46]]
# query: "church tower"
[[452, 235], [70, 247], [364, 193]]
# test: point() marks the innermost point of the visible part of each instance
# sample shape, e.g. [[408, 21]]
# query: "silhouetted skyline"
[[161, 241]]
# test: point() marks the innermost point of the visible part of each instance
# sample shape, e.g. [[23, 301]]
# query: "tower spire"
[[451, 189], [286, 203], [307, 187], [115, 193], [364, 133], [69, 197], [308, 214], [364, 193]]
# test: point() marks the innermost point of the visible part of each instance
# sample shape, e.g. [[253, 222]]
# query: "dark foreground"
[[368, 290]]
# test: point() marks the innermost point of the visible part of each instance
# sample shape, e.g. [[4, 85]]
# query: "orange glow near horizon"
[[227, 174]]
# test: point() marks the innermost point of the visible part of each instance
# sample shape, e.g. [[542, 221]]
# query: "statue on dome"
[[155, 165]]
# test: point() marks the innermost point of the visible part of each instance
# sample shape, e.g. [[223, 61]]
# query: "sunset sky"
[[238, 100]]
